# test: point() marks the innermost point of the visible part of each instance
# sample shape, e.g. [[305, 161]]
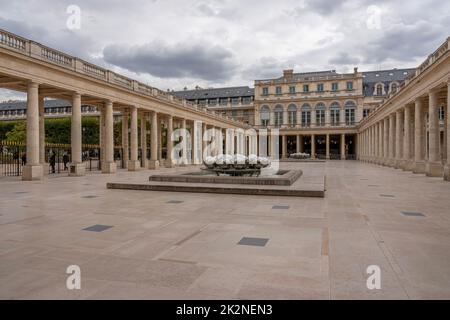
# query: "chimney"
[[288, 74], [355, 70]]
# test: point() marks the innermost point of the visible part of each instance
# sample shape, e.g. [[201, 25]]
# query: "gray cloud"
[[404, 42], [173, 61], [344, 58]]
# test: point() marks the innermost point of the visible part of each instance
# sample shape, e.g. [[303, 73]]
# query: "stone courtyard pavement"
[[165, 245]]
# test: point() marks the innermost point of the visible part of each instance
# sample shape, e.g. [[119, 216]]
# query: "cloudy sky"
[[212, 43]]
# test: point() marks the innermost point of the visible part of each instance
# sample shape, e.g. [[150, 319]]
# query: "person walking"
[[53, 162], [65, 160]]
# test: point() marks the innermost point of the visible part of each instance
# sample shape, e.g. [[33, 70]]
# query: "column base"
[[407, 165], [153, 164], [77, 169], [133, 165], [433, 169], [109, 167], [419, 167], [32, 172], [342, 157], [398, 164], [447, 172], [45, 169], [168, 163]]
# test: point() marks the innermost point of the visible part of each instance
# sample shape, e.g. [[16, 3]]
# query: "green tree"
[[18, 133]]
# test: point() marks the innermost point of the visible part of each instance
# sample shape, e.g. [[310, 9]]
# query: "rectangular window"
[[349, 85], [212, 101], [265, 91], [235, 100], [305, 88], [246, 100], [234, 113], [320, 118], [292, 118], [366, 112], [349, 117], [306, 118], [334, 114], [292, 89], [278, 90], [334, 86], [320, 87], [223, 101], [441, 113]]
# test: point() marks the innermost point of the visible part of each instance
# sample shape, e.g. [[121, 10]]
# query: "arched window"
[[320, 114], [278, 112], [265, 116], [350, 109], [379, 89], [292, 113], [394, 87], [306, 115], [335, 111]]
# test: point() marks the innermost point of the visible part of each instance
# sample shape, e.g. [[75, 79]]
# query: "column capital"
[[33, 84]]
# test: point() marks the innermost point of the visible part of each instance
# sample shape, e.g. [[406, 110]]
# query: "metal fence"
[[58, 157]]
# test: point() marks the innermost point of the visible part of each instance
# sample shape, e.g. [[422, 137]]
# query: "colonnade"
[[313, 137], [236, 140], [414, 136]]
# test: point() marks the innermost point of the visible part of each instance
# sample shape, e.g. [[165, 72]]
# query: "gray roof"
[[229, 92], [371, 78], [21, 105]]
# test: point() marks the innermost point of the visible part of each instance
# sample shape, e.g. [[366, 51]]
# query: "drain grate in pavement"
[[412, 214], [387, 195], [175, 201], [280, 207], [373, 185], [97, 228], [258, 242], [21, 192], [89, 197]]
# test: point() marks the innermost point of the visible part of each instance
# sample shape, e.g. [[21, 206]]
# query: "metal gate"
[[12, 158]]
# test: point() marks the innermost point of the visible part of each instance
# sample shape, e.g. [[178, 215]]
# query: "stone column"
[[343, 146], [297, 144], [419, 163], [144, 160], [313, 146], [398, 138], [407, 139], [204, 138], [108, 165], [433, 166], [327, 147], [101, 136], [169, 160], [184, 142], [392, 145], [385, 141], [447, 166], [42, 135], [133, 163], [284, 146], [77, 167], [197, 138], [229, 142], [380, 141], [125, 144], [33, 168], [154, 163], [159, 137]]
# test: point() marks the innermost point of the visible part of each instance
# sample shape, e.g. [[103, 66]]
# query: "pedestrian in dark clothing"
[[24, 159], [65, 160], [53, 162]]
